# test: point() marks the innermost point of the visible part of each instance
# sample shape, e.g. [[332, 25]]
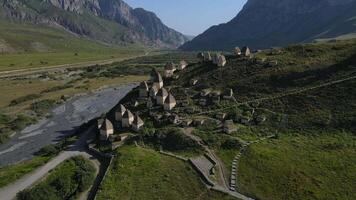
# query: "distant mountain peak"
[[264, 24], [110, 21]]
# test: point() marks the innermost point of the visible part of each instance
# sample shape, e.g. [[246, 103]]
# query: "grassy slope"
[[66, 181], [314, 117], [139, 173], [11, 173], [35, 46], [301, 167]]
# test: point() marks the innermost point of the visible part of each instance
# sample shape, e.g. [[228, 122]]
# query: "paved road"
[[65, 119], [77, 149]]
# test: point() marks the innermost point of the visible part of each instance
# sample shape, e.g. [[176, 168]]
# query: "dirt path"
[[29, 71], [288, 93], [222, 182], [77, 149]]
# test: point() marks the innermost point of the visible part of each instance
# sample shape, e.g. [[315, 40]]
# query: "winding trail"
[[77, 149], [223, 184], [284, 94]]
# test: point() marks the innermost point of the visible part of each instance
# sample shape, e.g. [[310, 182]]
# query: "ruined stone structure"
[[120, 112], [182, 65], [106, 130], [127, 119], [137, 123], [221, 61], [246, 52], [169, 103], [169, 69], [143, 90], [156, 78], [161, 96], [237, 51]]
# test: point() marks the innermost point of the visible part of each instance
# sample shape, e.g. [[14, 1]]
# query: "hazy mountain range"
[[108, 21], [268, 23]]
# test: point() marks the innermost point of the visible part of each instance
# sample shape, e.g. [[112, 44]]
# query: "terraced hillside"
[[139, 173], [306, 95]]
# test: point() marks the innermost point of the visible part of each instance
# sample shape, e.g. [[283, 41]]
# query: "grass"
[[32, 46], [139, 173], [301, 167], [9, 174], [66, 181]]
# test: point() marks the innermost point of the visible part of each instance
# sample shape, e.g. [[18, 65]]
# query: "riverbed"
[[63, 122]]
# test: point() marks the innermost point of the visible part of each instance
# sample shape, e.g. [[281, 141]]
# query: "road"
[[77, 149], [28, 71], [64, 121]]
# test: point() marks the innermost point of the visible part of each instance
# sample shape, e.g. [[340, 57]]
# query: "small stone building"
[[221, 62], [153, 91], [200, 56], [193, 82], [100, 122], [120, 112], [246, 52], [137, 123], [156, 78], [127, 119], [237, 51], [182, 65], [169, 69], [215, 58], [207, 57], [169, 103], [143, 90], [161, 96], [229, 127], [150, 103], [106, 130], [228, 93]]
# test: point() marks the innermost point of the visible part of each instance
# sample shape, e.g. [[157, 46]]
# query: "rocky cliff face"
[[262, 24], [111, 21]]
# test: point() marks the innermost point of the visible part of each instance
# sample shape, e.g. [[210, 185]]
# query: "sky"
[[191, 17]]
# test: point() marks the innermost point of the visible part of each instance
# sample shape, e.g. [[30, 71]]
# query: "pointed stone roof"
[[107, 125], [144, 85], [207, 56], [128, 114], [154, 88], [200, 55], [246, 51], [237, 50], [183, 62], [162, 92], [216, 58], [137, 120], [121, 108], [221, 60], [170, 66], [156, 76], [170, 99]]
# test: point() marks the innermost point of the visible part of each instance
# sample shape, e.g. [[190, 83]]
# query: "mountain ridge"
[[264, 24], [109, 21]]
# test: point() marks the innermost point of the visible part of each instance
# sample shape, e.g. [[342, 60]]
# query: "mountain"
[[263, 24], [108, 21]]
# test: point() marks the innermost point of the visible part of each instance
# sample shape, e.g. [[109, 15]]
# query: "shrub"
[[41, 107], [24, 99], [65, 182], [231, 144]]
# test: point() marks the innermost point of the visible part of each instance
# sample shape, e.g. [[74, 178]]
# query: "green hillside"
[[139, 173], [307, 94], [31, 46]]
